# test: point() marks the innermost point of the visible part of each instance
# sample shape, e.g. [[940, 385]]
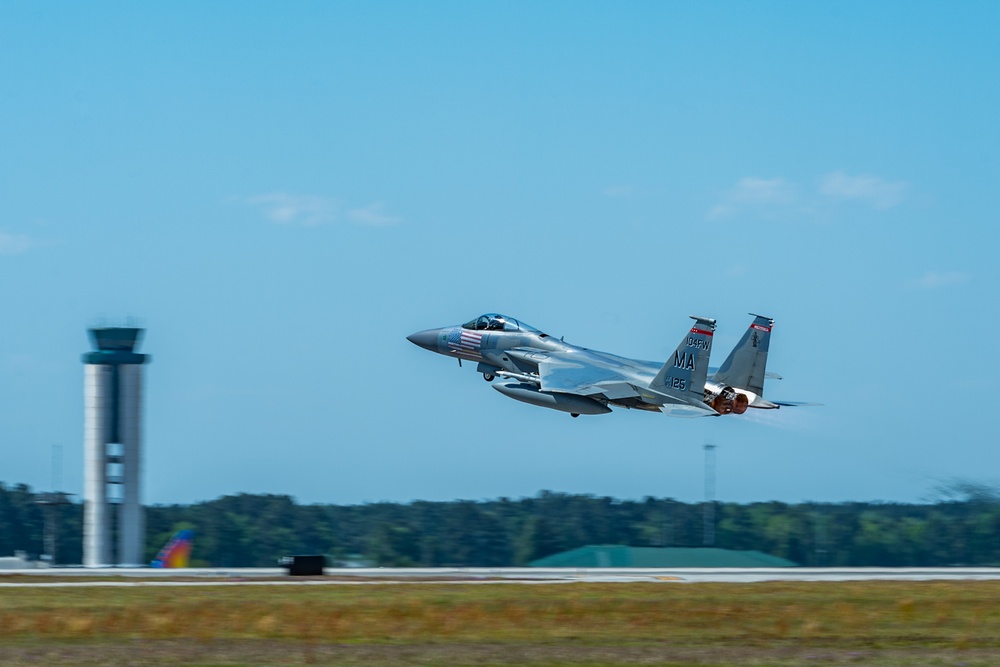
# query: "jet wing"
[[602, 376], [573, 374]]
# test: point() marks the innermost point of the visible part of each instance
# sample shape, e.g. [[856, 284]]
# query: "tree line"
[[254, 530]]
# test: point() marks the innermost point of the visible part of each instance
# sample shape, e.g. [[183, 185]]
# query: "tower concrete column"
[[131, 519], [96, 432], [113, 448]]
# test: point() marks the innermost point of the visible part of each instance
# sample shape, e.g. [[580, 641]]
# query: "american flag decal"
[[464, 341]]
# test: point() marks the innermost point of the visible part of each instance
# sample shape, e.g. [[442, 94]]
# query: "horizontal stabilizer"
[[770, 375], [688, 411], [794, 404]]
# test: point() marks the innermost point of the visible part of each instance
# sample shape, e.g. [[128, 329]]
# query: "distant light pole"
[[821, 546], [667, 537], [709, 509], [50, 504]]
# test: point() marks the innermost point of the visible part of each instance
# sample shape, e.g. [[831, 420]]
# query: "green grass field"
[[874, 623]]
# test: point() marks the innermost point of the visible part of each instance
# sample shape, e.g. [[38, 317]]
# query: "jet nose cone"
[[425, 339]]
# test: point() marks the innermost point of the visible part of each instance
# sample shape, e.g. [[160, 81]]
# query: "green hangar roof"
[[620, 556]]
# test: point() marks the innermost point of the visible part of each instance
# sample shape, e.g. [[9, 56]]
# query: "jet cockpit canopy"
[[498, 322]]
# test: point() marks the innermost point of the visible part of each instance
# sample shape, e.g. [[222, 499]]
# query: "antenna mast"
[[709, 509]]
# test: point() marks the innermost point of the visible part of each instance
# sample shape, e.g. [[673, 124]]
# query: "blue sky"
[[281, 192]]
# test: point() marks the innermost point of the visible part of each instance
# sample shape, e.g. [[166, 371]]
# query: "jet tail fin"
[[683, 376], [176, 552], [744, 368]]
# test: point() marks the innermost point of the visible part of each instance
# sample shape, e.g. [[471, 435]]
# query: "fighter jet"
[[541, 370]]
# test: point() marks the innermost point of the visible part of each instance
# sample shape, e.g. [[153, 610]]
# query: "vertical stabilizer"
[[177, 551], [683, 376], [745, 366]]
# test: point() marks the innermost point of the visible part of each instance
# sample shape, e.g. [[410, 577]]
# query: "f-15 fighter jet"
[[541, 370]]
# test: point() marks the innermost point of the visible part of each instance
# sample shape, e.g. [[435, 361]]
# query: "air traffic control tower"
[[112, 441]]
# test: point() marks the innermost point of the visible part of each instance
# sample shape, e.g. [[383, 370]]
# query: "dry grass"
[[926, 623]]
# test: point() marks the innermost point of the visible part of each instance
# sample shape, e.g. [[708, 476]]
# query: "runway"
[[76, 577]]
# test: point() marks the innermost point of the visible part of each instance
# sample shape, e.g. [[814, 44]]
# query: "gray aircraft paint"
[[745, 366], [541, 370]]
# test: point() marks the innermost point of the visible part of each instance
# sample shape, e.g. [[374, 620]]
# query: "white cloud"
[[763, 195], [763, 191], [778, 197], [863, 188], [737, 271], [284, 208], [372, 215], [934, 279], [15, 244], [289, 209], [618, 191]]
